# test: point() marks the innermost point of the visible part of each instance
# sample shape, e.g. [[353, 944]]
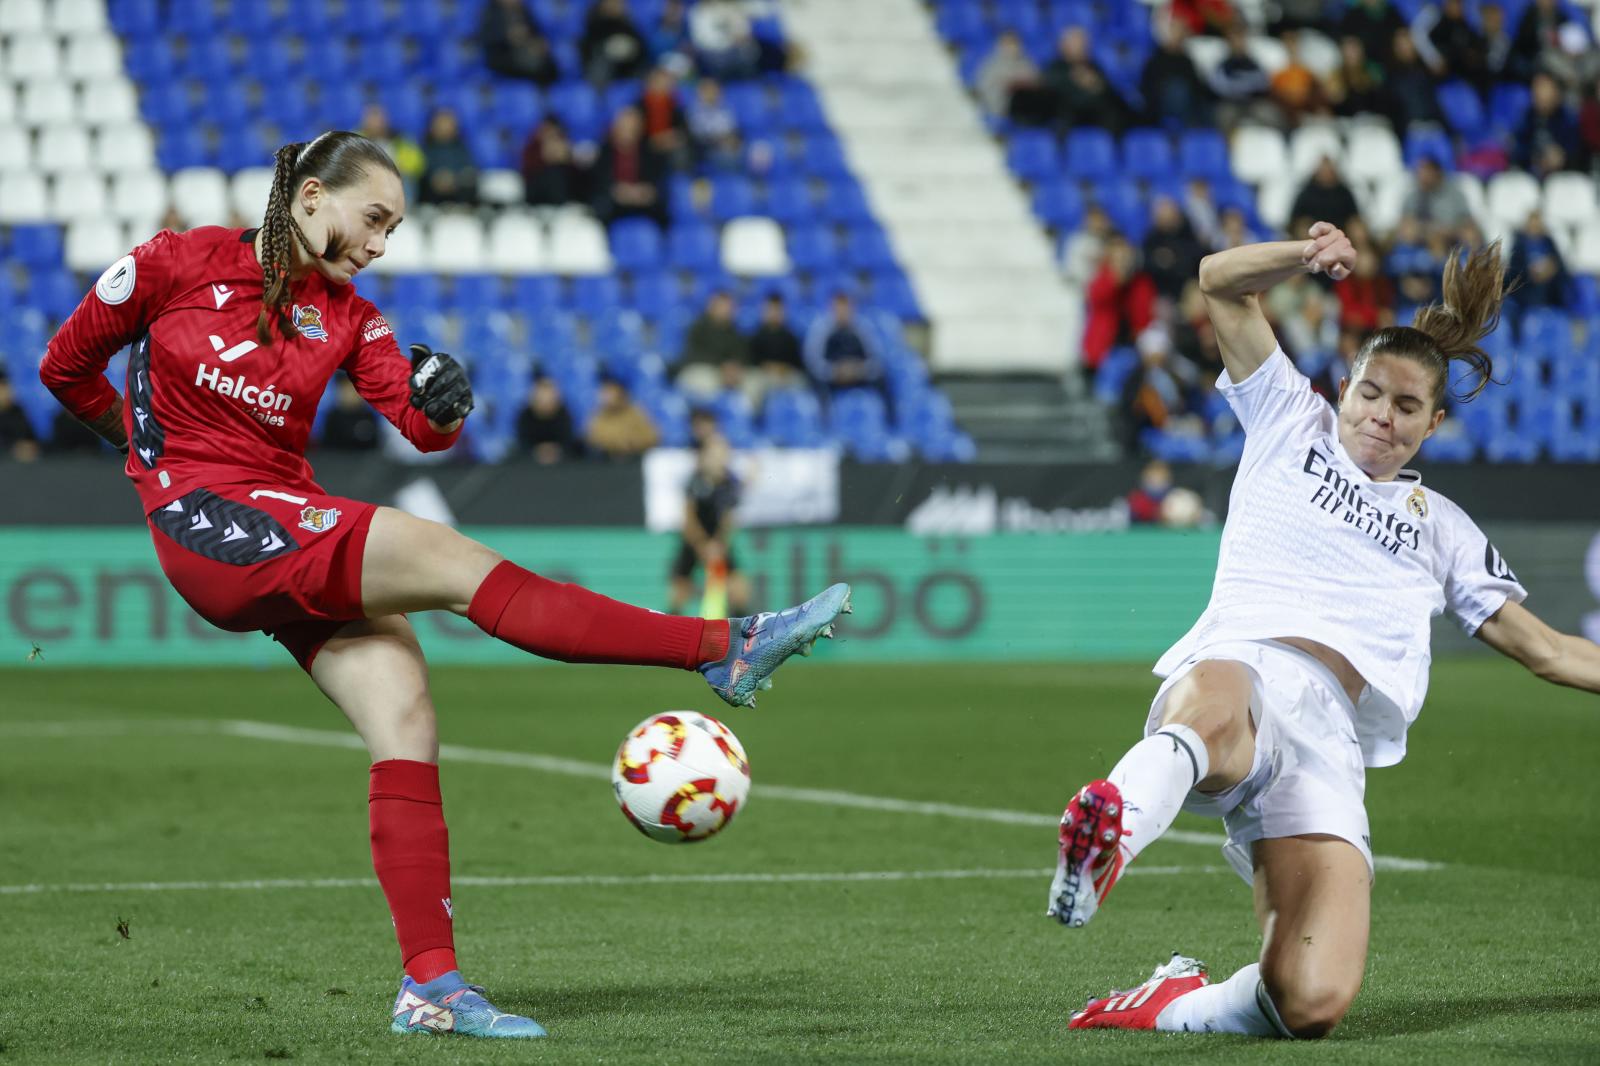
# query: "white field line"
[[104, 727], [552, 764], [593, 880]]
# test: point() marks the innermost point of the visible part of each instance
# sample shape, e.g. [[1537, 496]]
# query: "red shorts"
[[247, 557]]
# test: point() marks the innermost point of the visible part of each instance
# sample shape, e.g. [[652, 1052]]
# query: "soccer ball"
[[680, 777]]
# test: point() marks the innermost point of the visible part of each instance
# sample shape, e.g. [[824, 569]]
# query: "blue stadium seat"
[[813, 248], [182, 146], [1114, 371], [36, 245], [1033, 155], [516, 106], [822, 158], [789, 201], [799, 109], [417, 293], [1508, 107], [792, 418], [1146, 153], [867, 249], [693, 246], [1124, 203], [576, 104], [1090, 154], [476, 295], [1429, 142], [889, 290], [636, 244], [134, 18], [732, 196], [150, 63], [1060, 204], [1204, 154], [654, 294], [594, 295], [1463, 110], [846, 204]]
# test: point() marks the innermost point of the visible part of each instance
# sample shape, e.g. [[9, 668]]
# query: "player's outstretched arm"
[[1232, 282], [1518, 633]]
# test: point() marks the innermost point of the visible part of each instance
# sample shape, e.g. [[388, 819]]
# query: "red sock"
[[411, 852], [570, 623]]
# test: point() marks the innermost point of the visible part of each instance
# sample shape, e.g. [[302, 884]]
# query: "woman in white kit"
[[1312, 657]]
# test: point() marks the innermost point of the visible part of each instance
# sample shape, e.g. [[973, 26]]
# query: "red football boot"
[[1091, 859], [1139, 1007]]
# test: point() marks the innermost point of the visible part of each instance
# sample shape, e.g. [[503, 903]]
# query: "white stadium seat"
[[1259, 154], [500, 186], [78, 16], [201, 196], [139, 230], [578, 245], [23, 198], [8, 102], [754, 247], [94, 244], [455, 244], [249, 190], [16, 149], [1275, 200], [1383, 208], [125, 146], [63, 148], [1373, 153], [1512, 196], [1268, 52], [517, 245], [108, 101], [91, 56], [1206, 53], [138, 194], [1309, 144], [404, 252], [77, 194], [1586, 249], [1318, 53], [48, 102], [21, 16], [1569, 199], [32, 55]]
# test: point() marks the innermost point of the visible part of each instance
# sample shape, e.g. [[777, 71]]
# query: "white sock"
[[1154, 777], [1238, 1005]]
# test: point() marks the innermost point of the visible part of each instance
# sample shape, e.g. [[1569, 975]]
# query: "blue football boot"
[[759, 644], [447, 1004]]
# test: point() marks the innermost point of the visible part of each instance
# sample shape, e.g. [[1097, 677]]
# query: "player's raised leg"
[[374, 671], [1206, 741], [411, 564]]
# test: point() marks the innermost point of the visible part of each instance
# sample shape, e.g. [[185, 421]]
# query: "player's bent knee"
[[1309, 1010]]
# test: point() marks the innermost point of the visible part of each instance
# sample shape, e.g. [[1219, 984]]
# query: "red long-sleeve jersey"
[[206, 403]]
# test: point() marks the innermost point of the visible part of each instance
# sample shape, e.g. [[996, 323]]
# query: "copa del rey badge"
[[318, 519]]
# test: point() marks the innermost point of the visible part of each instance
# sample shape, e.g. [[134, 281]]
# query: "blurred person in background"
[[1173, 90], [18, 441], [450, 175], [1373, 23], [1203, 16], [1233, 229], [1548, 139], [1367, 297], [1121, 302], [1076, 90], [619, 427], [513, 44], [1538, 36], [68, 436], [1500, 62], [1171, 250], [1537, 261], [544, 425], [1409, 91], [1144, 502], [1589, 126], [350, 426], [551, 174], [612, 48], [406, 153], [841, 351], [715, 354], [629, 173], [1241, 86], [775, 347], [1311, 337], [1356, 87], [1449, 44], [1295, 88], [1158, 395], [666, 129], [1193, 338], [705, 542], [1200, 208], [1436, 202], [1325, 195], [724, 45], [1008, 83], [1082, 251], [669, 41], [713, 130]]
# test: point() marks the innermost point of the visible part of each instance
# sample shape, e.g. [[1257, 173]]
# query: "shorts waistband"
[[1314, 665]]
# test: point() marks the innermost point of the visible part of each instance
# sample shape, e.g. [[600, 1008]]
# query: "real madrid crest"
[[1417, 503]]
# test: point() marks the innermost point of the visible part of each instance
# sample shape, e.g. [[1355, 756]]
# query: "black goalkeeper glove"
[[439, 386]]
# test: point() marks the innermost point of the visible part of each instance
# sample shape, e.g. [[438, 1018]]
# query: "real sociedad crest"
[[308, 320]]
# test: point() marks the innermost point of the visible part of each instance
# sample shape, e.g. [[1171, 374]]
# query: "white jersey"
[[1314, 548]]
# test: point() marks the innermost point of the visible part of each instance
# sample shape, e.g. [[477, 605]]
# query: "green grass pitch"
[[1491, 958]]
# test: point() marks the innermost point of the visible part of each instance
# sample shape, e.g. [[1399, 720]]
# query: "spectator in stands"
[[629, 173], [544, 425], [405, 152], [1436, 201], [513, 44], [1312, 335], [1450, 46], [842, 352], [1538, 36], [450, 176], [1325, 196], [1548, 140], [1411, 263], [775, 347], [1537, 261], [1008, 83], [665, 126], [1171, 250], [1173, 91], [68, 436], [1326, 384], [1082, 251], [723, 43], [1374, 23], [1293, 15], [1193, 337], [713, 130], [1077, 87], [1241, 85], [1408, 89], [1589, 126], [706, 542], [1366, 297], [551, 175], [350, 426], [1144, 502], [1121, 302], [1233, 230], [1203, 16], [611, 46], [619, 428], [1356, 88], [715, 354], [1500, 61], [173, 220], [1200, 208], [669, 41], [17, 438], [1157, 395], [1295, 88]]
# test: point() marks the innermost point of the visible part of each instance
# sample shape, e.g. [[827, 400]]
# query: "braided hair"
[[338, 159], [1451, 329]]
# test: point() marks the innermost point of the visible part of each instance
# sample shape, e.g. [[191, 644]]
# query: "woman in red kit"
[[236, 334]]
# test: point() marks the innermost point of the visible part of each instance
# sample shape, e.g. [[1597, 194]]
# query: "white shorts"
[[1308, 775]]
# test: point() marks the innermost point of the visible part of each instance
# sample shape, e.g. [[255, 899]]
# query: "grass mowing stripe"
[[585, 880]]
